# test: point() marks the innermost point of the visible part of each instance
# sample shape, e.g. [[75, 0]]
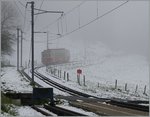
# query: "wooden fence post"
[[84, 80], [136, 88], [51, 70], [48, 70], [64, 75], [67, 76], [54, 72], [126, 87], [60, 73], [26, 64], [144, 90], [116, 84], [78, 79]]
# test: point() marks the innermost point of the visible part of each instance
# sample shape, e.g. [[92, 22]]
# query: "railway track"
[[64, 88], [143, 110], [129, 104], [57, 110], [48, 110], [28, 77], [38, 109], [108, 110], [62, 111], [110, 101]]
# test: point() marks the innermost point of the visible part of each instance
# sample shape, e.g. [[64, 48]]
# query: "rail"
[[62, 112], [129, 105]]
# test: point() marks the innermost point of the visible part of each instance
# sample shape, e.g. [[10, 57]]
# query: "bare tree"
[[8, 18]]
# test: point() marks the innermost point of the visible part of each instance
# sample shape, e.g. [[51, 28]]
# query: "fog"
[[126, 29]]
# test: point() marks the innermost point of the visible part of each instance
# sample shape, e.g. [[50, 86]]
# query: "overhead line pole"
[[32, 37], [47, 40], [17, 49], [21, 46]]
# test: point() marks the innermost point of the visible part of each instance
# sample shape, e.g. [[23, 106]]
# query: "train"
[[55, 56]]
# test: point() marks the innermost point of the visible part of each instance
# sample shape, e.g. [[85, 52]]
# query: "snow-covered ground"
[[28, 112], [23, 111], [130, 69], [11, 79]]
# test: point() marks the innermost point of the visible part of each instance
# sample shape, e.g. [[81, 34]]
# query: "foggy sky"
[[126, 29]]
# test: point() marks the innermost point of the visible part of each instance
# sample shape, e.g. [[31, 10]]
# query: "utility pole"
[[17, 49], [47, 40], [32, 31], [21, 46], [32, 37]]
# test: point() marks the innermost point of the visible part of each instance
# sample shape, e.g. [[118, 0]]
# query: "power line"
[[38, 11], [24, 14], [24, 20], [93, 20], [19, 9], [75, 7], [36, 41], [64, 14], [21, 4]]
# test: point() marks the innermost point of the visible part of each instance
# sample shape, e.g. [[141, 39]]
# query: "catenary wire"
[[19, 10], [64, 15], [92, 20], [38, 11]]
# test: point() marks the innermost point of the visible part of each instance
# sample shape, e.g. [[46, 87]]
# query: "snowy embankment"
[[22, 111], [11, 79]]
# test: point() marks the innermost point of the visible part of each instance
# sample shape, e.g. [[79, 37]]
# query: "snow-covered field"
[[130, 69]]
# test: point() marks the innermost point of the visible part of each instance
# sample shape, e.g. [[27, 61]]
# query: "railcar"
[[55, 56]]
